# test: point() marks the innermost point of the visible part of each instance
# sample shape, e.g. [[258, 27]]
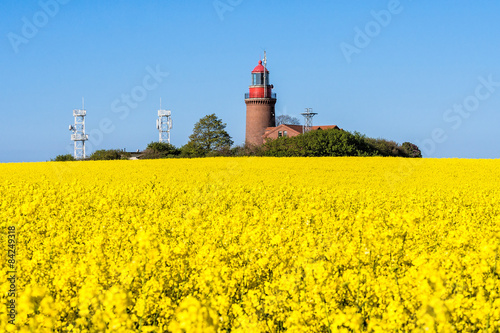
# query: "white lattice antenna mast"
[[164, 124], [308, 119], [78, 128]]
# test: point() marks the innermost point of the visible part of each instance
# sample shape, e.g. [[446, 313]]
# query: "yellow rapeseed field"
[[252, 245]]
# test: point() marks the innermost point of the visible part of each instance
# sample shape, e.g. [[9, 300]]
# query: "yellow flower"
[[252, 245]]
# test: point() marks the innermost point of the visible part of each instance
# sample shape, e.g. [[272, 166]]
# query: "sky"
[[427, 72]]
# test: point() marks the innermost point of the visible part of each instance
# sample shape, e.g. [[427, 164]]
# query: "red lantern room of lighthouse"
[[260, 101]]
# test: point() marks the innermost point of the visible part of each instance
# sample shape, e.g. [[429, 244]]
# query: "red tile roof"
[[297, 128], [324, 127]]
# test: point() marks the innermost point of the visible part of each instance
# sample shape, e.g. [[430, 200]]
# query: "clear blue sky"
[[403, 70]]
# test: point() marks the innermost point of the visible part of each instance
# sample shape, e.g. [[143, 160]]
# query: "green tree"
[[386, 147], [103, 154], [160, 150], [64, 158], [286, 119], [209, 138], [411, 150], [334, 142]]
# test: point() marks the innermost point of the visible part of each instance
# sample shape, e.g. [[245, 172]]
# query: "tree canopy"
[[160, 150], [108, 154], [209, 136], [334, 142], [286, 119], [63, 158]]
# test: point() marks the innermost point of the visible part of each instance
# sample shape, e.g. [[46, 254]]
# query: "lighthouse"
[[260, 101]]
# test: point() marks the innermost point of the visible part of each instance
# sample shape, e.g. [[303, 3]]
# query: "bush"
[[411, 150], [125, 155], [332, 142], [163, 148], [244, 150], [156, 150], [111, 154], [64, 158], [386, 148]]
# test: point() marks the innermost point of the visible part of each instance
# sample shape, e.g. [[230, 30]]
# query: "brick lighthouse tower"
[[260, 101]]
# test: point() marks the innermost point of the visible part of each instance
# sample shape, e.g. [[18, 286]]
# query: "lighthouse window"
[[258, 79]]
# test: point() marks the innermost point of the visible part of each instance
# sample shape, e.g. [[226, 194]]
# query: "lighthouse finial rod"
[[265, 74]]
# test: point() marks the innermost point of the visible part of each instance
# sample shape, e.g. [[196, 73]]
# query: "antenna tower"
[[308, 119], [164, 124], [78, 128]]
